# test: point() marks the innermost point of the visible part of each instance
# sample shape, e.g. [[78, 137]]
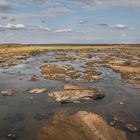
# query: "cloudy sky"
[[69, 21]]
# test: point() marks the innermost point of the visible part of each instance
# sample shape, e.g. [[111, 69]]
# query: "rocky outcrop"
[[76, 94], [81, 126]]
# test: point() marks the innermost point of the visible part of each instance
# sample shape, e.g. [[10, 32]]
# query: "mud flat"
[[74, 92]]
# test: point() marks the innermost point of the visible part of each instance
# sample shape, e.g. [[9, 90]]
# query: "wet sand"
[[24, 114]]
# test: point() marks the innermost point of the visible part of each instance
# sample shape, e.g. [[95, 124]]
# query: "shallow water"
[[24, 116]]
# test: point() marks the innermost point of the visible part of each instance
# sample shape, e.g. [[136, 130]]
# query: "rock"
[[121, 102], [112, 123], [118, 117], [76, 94], [67, 101], [81, 126], [33, 78], [131, 127], [37, 90], [74, 87], [13, 64], [11, 135], [8, 93]]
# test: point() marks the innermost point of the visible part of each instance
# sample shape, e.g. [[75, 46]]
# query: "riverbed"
[[25, 113]]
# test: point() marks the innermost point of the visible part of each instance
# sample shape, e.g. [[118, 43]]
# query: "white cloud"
[[12, 26], [45, 28], [116, 26], [62, 30], [121, 27]]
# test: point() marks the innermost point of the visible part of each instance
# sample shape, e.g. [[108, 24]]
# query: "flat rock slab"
[[76, 94], [80, 126]]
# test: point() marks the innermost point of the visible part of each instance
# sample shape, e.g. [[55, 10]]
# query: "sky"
[[69, 21]]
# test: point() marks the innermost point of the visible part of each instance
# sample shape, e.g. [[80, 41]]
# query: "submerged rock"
[[11, 135], [118, 117], [8, 93], [34, 78], [76, 94], [121, 103], [131, 127], [37, 90], [80, 126]]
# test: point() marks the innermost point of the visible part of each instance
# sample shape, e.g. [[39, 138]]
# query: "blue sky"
[[69, 21]]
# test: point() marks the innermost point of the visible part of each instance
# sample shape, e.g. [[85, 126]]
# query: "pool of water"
[[25, 113]]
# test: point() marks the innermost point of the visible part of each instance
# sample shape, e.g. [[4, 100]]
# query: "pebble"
[[12, 135], [131, 127]]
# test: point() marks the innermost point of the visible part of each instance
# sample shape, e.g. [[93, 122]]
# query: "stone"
[[121, 103], [131, 127], [37, 90], [33, 78], [12, 135], [118, 117], [76, 94], [8, 93]]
